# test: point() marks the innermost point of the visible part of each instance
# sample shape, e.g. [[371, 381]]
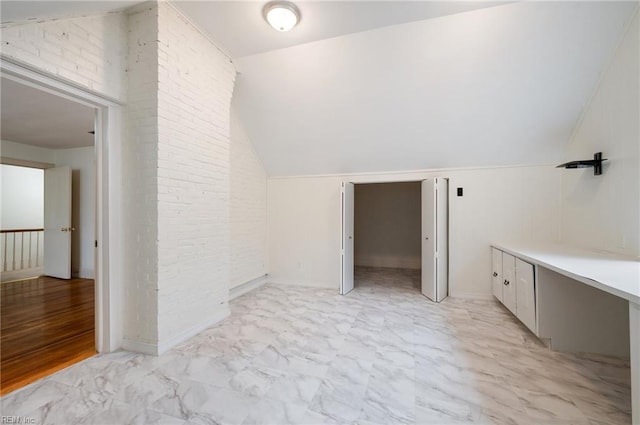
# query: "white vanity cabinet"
[[513, 282]]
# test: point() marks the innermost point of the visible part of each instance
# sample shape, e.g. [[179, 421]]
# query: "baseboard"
[[194, 330], [391, 262], [248, 286], [85, 274], [307, 283], [473, 296], [139, 347], [159, 349], [21, 274]]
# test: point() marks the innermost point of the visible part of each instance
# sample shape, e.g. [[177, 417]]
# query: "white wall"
[[25, 152], [140, 163], [248, 208], [195, 85], [22, 198], [83, 201], [498, 204], [603, 212], [387, 225]]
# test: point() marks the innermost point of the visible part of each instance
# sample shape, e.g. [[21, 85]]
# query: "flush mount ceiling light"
[[281, 15]]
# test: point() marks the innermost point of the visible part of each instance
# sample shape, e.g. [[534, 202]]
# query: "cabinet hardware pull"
[[507, 282], [495, 274]]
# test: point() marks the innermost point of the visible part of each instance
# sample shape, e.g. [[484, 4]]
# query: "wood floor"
[[47, 324]]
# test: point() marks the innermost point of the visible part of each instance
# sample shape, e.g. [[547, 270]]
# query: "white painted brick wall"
[[195, 88], [248, 208], [140, 156], [88, 51]]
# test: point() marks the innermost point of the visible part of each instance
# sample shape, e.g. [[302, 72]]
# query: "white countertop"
[[615, 274]]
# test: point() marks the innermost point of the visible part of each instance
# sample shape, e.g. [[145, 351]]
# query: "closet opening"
[[387, 242], [396, 235]]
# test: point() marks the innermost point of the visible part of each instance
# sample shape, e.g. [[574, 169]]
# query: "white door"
[[442, 238], [348, 205], [429, 239], [435, 239], [57, 222], [525, 294]]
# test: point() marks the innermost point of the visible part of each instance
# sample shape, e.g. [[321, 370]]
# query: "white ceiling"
[[497, 86], [377, 86], [238, 26], [34, 117]]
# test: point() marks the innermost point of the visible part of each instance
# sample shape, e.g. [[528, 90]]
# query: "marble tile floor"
[[383, 354]]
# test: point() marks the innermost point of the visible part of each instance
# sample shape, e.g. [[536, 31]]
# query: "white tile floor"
[[380, 355]]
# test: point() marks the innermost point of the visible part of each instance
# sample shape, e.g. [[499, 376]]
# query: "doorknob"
[[427, 238]]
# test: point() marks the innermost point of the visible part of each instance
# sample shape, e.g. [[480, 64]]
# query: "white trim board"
[[219, 316], [248, 286], [21, 274], [402, 176], [139, 347], [473, 296], [159, 349], [306, 283]]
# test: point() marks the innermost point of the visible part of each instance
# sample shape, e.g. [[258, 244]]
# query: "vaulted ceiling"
[[497, 86], [366, 86]]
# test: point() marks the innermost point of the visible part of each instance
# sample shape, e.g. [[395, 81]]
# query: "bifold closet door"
[[348, 208], [435, 239]]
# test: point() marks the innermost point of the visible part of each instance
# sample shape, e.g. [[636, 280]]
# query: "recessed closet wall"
[[387, 225]]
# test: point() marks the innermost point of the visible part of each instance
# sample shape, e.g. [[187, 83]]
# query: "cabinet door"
[[526, 294], [509, 282], [496, 273]]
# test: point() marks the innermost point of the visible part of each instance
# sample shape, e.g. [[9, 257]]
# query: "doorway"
[[395, 233], [48, 319], [387, 223]]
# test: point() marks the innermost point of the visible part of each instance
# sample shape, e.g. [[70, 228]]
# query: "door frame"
[[108, 262], [379, 179]]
